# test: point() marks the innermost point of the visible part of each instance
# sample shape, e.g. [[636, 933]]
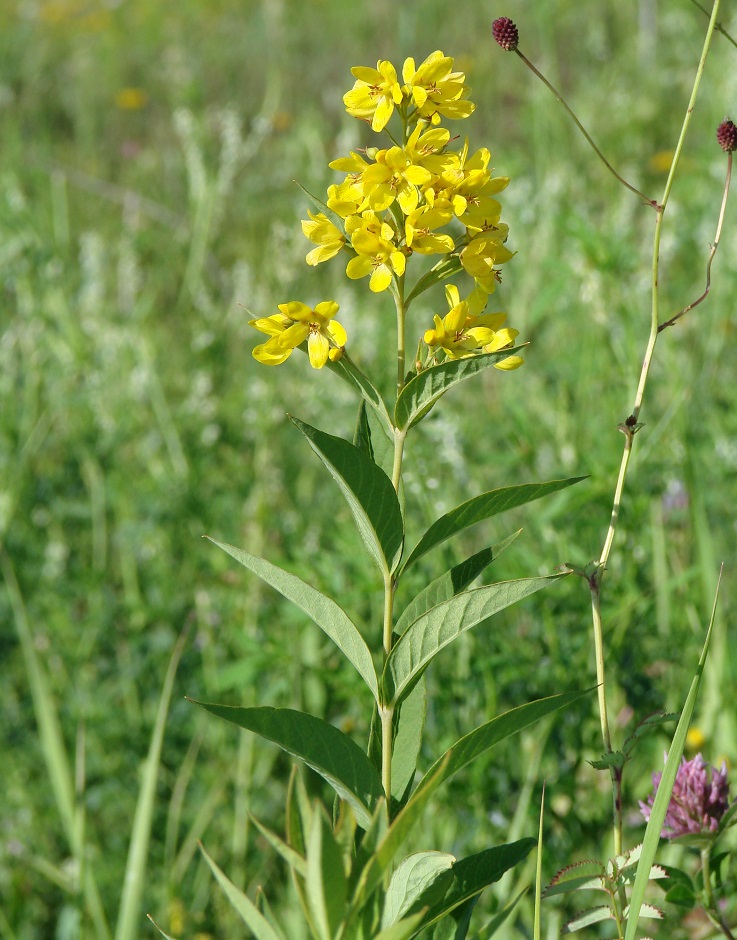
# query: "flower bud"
[[505, 33], [727, 136]]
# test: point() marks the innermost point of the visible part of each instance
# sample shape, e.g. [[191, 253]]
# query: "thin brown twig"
[[712, 252]]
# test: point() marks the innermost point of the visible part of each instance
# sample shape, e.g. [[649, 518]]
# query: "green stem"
[[401, 351], [630, 427], [709, 906]]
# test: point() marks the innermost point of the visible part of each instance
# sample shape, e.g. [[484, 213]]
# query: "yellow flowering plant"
[[407, 197]]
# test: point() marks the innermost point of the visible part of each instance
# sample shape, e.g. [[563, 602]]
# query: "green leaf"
[[488, 930], [451, 583], [613, 759], [477, 742], [665, 788], [318, 607], [447, 267], [347, 370], [326, 884], [587, 918], [369, 493], [455, 925], [404, 929], [249, 913], [322, 746], [408, 739], [362, 434], [295, 861], [390, 844], [421, 392], [483, 507], [647, 724], [437, 628], [681, 896], [411, 880], [471, 875]]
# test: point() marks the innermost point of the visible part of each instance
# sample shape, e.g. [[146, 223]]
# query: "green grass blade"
[[53, 747], [422, 391], [539, 871], [368, 491], [482, 507], [322, 746], [476, 742], [451, 583], [665, 788], [331, 618], [250, 914], [439, 627], [128, 926]]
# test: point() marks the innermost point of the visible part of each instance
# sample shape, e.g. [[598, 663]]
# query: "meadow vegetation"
[[147, 163]]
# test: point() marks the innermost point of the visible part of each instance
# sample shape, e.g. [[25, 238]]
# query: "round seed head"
[[505, 33], [727, 136]]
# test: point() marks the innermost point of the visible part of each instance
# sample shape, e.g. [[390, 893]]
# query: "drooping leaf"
[[437, 628], [587, 918], [471, 875], [451, 583], [350, 373], [421, 392], [337, 221], [483, 507], [326, 884], [322, 746], [368, 491], [249, 913], [331, 618], [408, 739], [477, 742], [665, 788], [410, 883]]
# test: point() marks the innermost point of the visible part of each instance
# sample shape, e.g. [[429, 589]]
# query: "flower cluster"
[[415, 196], [698, 802]]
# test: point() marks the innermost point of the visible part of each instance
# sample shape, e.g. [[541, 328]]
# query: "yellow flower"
[[435, 89], [377, 255], [695, 739], [296, 323], [482, 253], [394, 176], [131, 99], [419, 232], [374, 95], [327, 236], [465, 330]]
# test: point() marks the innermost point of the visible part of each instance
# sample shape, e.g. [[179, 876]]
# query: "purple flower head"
[[698, 801]]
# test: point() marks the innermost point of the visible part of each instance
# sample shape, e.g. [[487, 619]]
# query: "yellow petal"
[[511, 362], [318, 348]]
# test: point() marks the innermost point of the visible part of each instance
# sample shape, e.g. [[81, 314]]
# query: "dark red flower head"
[[505, 33], [727, 136]]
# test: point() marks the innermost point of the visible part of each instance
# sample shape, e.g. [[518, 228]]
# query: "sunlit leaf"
[[411, 880]]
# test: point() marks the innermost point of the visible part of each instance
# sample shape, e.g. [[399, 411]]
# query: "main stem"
[[386, 712], [629, 428]]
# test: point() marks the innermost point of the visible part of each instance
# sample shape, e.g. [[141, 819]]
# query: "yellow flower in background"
[[131, 99], [374, 95], [325, 234], [695, 739], [435, 89], [296, 323]]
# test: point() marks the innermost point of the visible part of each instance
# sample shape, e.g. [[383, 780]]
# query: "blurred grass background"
[[147, 159]]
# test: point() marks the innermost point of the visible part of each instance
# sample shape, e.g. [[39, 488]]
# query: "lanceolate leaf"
[[412, 878], [421, 392], [587, 918], [404, 929], [322, 746], [325, 884], [469, 747], [250, 914], [483, 507], [438, 627], [447, 267], [351, 374], [471, 875], [450, 583], [408, 739], [337, 221], [320, 608], [369, 493]]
